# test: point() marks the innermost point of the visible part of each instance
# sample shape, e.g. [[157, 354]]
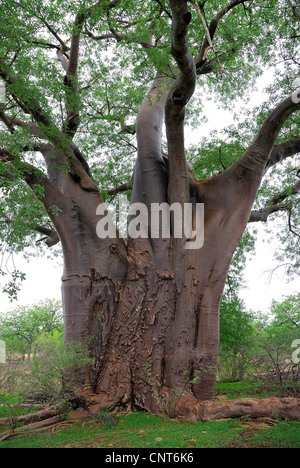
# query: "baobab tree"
[[76, 104]]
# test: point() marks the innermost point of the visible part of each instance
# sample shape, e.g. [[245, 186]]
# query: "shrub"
[[53, 375]]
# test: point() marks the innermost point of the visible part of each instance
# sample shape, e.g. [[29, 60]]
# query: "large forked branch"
[[255, 159], [53, 200], [179, 95], [33, 177], [51, 197], [35, 131], [71, 79], [245, 174]]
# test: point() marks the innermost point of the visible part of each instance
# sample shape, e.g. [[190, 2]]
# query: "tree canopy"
[[85, 96]]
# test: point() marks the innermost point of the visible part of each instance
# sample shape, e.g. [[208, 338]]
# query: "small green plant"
[[171, 403], [106, 418], [9, 412], [188, 382], [276, 412]]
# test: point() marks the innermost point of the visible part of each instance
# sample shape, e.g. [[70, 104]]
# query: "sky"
[[265, 277], [43, 276]]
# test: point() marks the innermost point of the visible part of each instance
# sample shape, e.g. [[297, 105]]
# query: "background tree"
[[236, 340], [21, 327], [273, 346], [89, 90]]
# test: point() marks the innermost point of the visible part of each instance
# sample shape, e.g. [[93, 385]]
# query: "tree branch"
[[10, 122], [120, 188], [5, 155], [71, 78], [179, 95], [124, 37], [35, 177], [283, 151], [52, 199], [54, 33], [208, 37], [211, 29], [256, 158], [274, 204], [51, 238], [101, 37], [263, 214], [6, 121], [294, 8], [52, 133], [164, 9]]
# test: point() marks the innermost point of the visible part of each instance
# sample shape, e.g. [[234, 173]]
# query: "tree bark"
[[164, 333]]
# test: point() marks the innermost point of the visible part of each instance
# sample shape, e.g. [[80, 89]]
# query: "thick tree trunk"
[[155, 327], [151, 307]]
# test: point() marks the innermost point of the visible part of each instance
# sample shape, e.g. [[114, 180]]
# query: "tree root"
[[275, 408], [187, 407], [38, 416], [34, 427]]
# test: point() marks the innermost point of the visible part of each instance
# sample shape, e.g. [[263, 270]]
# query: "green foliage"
[[273, 346], [259, 345], [105, 418], [23, 328], [281, 327], [236, 339], [117, 63], [236, 326], [52, 376], [14, 285]]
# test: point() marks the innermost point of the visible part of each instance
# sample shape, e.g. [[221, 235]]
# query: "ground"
[[141, 430]]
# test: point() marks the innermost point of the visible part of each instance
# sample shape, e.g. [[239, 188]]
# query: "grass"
[[140, 430], [247, 389]]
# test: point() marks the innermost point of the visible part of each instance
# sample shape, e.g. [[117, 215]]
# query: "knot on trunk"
[[187, 17]]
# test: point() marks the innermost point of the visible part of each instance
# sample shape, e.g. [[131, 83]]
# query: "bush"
[[53, 376]]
